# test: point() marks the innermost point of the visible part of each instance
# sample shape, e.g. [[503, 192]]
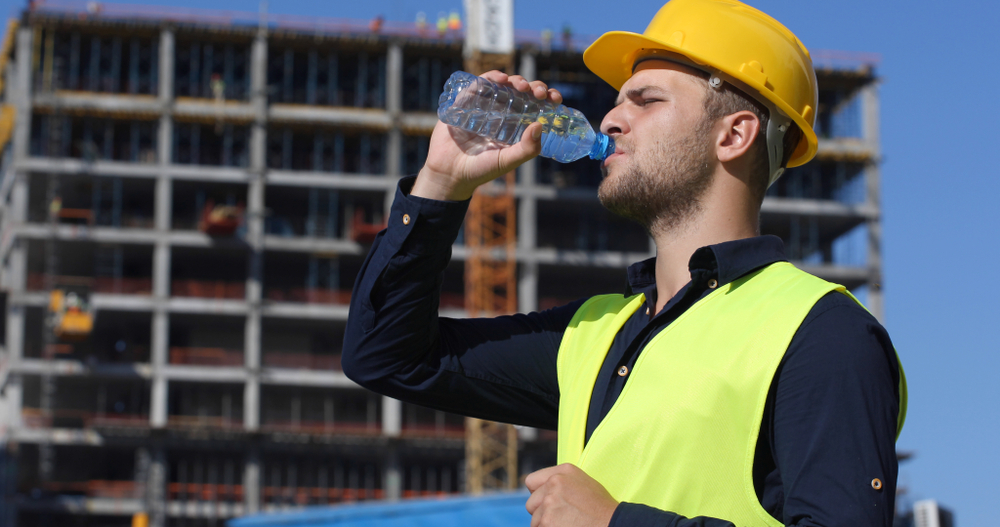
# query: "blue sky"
[[939, 195]]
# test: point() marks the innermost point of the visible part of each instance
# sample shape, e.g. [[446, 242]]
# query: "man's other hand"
[[565, 496]]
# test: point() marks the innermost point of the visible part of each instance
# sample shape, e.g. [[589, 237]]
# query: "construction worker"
[[725, 387]]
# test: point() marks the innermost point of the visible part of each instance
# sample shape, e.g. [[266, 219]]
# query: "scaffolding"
[[491, 290]]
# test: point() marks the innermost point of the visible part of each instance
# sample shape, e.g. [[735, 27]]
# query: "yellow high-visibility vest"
[[682, 435]]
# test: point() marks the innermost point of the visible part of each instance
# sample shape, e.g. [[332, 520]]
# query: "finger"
[[519, 83], [534, 501], [539, 89], [555, 96], [495, 76], [568, 468], [538, 478], [536, 520]]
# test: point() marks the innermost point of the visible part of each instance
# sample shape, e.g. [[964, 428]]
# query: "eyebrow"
[[633, 93]]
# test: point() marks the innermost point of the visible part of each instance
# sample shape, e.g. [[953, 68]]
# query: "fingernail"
[[537, 133]]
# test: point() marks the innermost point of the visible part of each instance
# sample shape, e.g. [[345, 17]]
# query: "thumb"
[[527, 148]]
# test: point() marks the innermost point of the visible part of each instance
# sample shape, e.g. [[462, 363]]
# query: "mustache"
[[623, 144]]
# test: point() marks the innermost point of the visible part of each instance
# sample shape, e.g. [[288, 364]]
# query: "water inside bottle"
[[499, 114]]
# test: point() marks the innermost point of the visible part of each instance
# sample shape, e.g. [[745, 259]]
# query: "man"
[[725, 387]]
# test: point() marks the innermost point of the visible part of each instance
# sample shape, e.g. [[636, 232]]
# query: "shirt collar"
[[727, 261]]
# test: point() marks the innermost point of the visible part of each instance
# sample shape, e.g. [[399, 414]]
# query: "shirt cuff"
[[437, 223], [639, 515], [636, 515]]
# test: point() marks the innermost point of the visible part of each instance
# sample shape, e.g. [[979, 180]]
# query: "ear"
[[736, 133]]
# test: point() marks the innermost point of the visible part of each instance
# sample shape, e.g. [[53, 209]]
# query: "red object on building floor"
[[363, 232], [220, 220]]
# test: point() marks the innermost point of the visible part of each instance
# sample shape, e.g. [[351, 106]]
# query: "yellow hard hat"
[[734, 41]]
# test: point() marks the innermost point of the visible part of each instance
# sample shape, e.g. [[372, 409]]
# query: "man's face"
[[665, 156]]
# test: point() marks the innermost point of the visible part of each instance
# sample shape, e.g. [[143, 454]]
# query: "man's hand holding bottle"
[[459, 161]]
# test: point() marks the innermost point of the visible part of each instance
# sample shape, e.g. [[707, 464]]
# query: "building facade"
[[205, 184]]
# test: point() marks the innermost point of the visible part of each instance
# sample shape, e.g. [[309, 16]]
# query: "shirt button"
[[406, 219], [647, 310], [713, 283], [623, 371]]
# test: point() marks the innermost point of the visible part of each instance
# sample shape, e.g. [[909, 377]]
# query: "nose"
[[614, 122]]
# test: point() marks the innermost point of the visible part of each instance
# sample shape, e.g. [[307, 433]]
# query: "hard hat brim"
[[612, 56]]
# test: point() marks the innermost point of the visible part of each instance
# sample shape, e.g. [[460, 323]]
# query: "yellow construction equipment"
[[7, 115], [70, 315]]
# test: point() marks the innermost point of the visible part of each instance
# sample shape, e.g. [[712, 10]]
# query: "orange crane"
[[490, 290]]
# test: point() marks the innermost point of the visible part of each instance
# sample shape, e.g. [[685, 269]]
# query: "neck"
[[723, 216]]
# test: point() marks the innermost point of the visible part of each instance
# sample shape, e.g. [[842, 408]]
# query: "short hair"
[[727, 100]]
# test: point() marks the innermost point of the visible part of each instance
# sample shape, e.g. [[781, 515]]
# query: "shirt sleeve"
[[835, 409], [501, 369], [638, 515]]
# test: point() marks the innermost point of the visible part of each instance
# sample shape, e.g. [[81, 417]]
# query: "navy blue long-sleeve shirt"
[[829, 424]]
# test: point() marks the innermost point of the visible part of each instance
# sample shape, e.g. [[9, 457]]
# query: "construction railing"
[[40, 418], [98, 284], [302, 360], [204, 492], [319, 495], [309, 295], [201, 356], [95, 488], [323, 427], [208, 289], [452, 431], [204, 421]]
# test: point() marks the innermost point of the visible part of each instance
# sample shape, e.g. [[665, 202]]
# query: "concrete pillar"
[[527, 218], [10, 402], [393, 477], [870, 133], [255, 231], [156, 487], [166, 72], [394, 105], [252, 330], [22, 98], [140, 474], [18, 215], [258, 99], [252, 481], [17, 272], [160, 344], [392, 420], [392, 408], [392, 417], [158, 360]]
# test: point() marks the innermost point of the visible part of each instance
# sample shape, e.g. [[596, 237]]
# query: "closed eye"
[[641, 96]]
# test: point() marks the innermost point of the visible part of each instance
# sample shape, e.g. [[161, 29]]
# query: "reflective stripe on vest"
[[682, 435]]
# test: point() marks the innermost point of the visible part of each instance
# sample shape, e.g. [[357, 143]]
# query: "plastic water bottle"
[[501, 113]]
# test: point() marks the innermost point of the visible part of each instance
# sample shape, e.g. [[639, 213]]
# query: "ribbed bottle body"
[[501, 114]]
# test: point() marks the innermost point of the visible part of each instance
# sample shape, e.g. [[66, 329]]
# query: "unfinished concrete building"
[[203, 185]]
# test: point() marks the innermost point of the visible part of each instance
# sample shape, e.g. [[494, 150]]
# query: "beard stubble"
[[661, 188]]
